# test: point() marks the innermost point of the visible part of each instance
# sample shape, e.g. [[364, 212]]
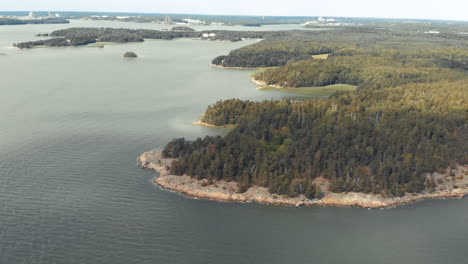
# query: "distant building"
[[323, 21], [168, 21], [31, 15], [53, 15], [209, 35], [432, 32], [194, 21]]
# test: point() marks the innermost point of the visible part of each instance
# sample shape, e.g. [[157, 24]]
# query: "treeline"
[[83, 36], [182, 28], [372, 141], [366, 69], [292, 46], [12, 21], [54, 42], [271, 53]]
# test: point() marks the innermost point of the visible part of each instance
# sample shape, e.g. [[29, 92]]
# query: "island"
[[400, 136], [15, 21], [84, 36], [182, 28], [130, 55]]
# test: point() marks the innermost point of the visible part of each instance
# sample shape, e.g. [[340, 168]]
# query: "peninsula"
[[228, 191], [395, 131], [399, 136]]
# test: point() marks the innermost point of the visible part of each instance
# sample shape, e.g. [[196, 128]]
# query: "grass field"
[[313, 91], [321, 56]]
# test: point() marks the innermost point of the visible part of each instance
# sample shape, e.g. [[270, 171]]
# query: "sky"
[[425, 9]]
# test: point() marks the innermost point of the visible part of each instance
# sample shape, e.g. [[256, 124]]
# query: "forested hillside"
[[368, 69], [380, 141], [292, 46], [272, 53], [407, 118]]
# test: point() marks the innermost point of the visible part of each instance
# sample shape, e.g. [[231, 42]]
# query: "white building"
[[194, 21], [432, 32], [209, 35]]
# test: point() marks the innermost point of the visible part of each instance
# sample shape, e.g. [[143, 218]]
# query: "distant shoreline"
[[223, 191]]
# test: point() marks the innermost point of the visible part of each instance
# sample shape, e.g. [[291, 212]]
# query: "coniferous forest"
[[84, 36], [407, 118]]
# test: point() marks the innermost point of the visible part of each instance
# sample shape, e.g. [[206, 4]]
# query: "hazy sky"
[[440, 9]]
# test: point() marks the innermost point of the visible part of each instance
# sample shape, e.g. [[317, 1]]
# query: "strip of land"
[[226, 67], [200, 123], [310, 91], [449, 187]]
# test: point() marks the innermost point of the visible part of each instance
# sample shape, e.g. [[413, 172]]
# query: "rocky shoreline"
[[228, 191], [201, 123], [263, 83], [238, 68]]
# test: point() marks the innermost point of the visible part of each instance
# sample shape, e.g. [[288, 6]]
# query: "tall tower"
[[168, 20]]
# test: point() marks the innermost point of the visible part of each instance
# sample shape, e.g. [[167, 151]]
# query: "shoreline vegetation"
[[393, 131], [83, 36], [307, 91], [15, 21], [224, 191]]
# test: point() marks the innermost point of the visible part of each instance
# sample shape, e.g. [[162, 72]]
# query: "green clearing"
[[321, 56], [313, 91]]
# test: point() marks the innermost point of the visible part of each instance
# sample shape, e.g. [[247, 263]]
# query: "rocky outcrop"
[[263, 83], [228, 191], [130, 55]]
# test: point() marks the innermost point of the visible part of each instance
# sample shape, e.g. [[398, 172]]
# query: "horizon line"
[[292, 16]]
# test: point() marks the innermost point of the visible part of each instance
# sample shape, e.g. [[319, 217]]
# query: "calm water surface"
[[73, 121]]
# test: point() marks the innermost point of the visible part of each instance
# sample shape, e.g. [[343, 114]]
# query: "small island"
[[130, 55], [183, 29]]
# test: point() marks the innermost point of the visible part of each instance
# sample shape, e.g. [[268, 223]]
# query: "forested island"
[[13, 21], [85, 36], [401, 136], [182, 28]]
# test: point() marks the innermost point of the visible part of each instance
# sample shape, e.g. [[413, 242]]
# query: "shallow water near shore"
[[74, 120]]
